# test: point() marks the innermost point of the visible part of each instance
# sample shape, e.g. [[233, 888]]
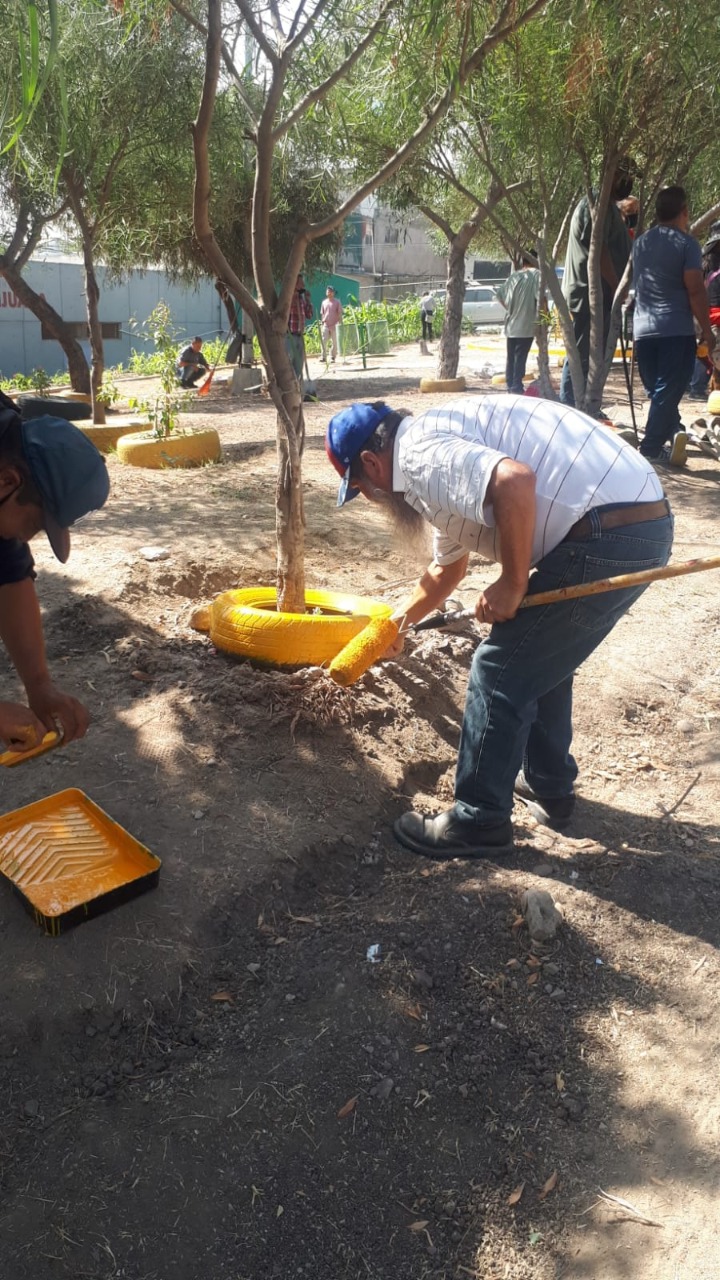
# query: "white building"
[[24, 344]]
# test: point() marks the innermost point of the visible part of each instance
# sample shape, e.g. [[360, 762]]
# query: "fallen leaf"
[[279, 1211], [516, 1194], [301, 919], [532, 962], [548, 1186], [517, 923], [658, 1181], [420, 1225], [421, 1048], [223, 995], [277, 942], [142, 675], [425, 873], [559, 1082], [532, 978], [513, 964], [349, 1106], [414, 1011]]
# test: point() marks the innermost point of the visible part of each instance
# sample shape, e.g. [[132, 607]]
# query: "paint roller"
[[375, 639]]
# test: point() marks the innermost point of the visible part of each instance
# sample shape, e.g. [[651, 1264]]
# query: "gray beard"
[[409, 526]]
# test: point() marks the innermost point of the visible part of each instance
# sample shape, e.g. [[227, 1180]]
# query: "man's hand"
[[50, 704], [20, 730], [500, 601]]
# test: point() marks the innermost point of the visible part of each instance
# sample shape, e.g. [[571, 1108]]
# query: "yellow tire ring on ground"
[[69, 394], [442, 384], [246, 623], [191, 449], [713, 404], [105, 436], [498, 379]]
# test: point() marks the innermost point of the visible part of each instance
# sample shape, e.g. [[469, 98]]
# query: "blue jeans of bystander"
[[665, 365], [518, 710]]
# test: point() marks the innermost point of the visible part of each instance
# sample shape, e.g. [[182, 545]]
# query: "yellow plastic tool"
[[10, 758], [68, 860]]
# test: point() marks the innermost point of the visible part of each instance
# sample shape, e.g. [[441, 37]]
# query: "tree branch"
[[227, 56], [296, 20], [201, 194], [257, 32], [320, 91], [704, 221], [497, 33]]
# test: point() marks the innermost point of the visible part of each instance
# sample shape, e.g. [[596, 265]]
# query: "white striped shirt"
[[444, 460]]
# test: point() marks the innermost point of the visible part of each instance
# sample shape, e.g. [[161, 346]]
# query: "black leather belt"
[[636, 513]]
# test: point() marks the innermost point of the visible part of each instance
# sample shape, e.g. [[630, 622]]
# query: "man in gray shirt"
[[519, 296], [614, 254]]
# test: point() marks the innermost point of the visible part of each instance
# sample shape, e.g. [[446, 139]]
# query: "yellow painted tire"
[[442, 384], [498, 379], [191, 449], [246, 623], [713, 404], [106, 436], [83, 396]]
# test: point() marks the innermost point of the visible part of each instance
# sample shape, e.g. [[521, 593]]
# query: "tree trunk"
[[289, 509], [54, 323], [449, 356], [92, 295]]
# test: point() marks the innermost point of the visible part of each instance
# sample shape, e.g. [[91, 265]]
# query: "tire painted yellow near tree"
[[246, 623], [190, 449], [106, 437], [442, 384]]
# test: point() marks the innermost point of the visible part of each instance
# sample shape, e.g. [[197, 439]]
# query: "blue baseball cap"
[[347, 432], [69, 473]]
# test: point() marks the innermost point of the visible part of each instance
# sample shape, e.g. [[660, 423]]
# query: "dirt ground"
[[213, 1082]]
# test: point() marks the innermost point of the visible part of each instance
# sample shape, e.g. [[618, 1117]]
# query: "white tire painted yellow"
[[442, 384], [105, 436], [246, 622], [713, 404], [188, 449], [68, 394]]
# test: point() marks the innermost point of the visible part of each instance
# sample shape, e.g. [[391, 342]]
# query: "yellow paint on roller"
[[369, 645]]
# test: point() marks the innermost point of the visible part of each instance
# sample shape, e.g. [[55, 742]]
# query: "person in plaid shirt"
[[301, 309]]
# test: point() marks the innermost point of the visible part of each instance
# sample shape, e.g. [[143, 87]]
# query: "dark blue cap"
[[347, 432], [69, 473]]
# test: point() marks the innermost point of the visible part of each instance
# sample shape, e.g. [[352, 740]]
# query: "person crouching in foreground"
[[555, 499], [50, 476]]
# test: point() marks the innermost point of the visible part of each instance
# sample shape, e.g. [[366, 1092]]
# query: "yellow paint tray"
[[68, 860]]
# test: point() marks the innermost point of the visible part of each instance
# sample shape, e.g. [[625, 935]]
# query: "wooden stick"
[[620, 582]]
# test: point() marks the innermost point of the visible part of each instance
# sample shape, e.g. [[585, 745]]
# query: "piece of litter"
[[373, 953], [598, 960], [155, 553]]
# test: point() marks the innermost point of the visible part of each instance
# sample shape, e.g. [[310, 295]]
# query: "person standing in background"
[[330, 317], [519, 295], [669, 292], [427, 311], [301, 309]]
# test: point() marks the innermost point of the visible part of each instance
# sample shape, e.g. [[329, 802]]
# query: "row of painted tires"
[[246, 623]]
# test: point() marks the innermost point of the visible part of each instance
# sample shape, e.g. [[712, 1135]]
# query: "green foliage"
[[163, 411]]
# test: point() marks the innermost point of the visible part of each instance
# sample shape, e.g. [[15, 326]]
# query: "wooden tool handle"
[[620, 582]]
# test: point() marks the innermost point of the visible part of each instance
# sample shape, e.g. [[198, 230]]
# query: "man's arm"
[[22, 633], [436, 584], [511, 493], [695, 285]]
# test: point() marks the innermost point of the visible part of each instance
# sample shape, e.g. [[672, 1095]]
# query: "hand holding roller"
[[375, 639]]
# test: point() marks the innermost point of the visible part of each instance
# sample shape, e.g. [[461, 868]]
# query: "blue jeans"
[[517, 354], [518, 710], [665, 365]]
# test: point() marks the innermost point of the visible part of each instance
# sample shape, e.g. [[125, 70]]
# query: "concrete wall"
[[22, 347]]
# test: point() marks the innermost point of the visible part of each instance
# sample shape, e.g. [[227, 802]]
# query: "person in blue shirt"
[[50, 476], [669, 293]]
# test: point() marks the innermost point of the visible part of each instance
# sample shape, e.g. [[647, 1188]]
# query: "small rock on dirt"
[[31, 1108], [541, 914], [383, 1088], [422, 978]]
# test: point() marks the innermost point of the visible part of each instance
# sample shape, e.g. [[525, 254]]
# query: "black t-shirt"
[[16, 563]]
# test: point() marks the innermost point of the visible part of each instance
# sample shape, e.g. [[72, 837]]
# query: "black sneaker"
[[446, 836], [554, 812]]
